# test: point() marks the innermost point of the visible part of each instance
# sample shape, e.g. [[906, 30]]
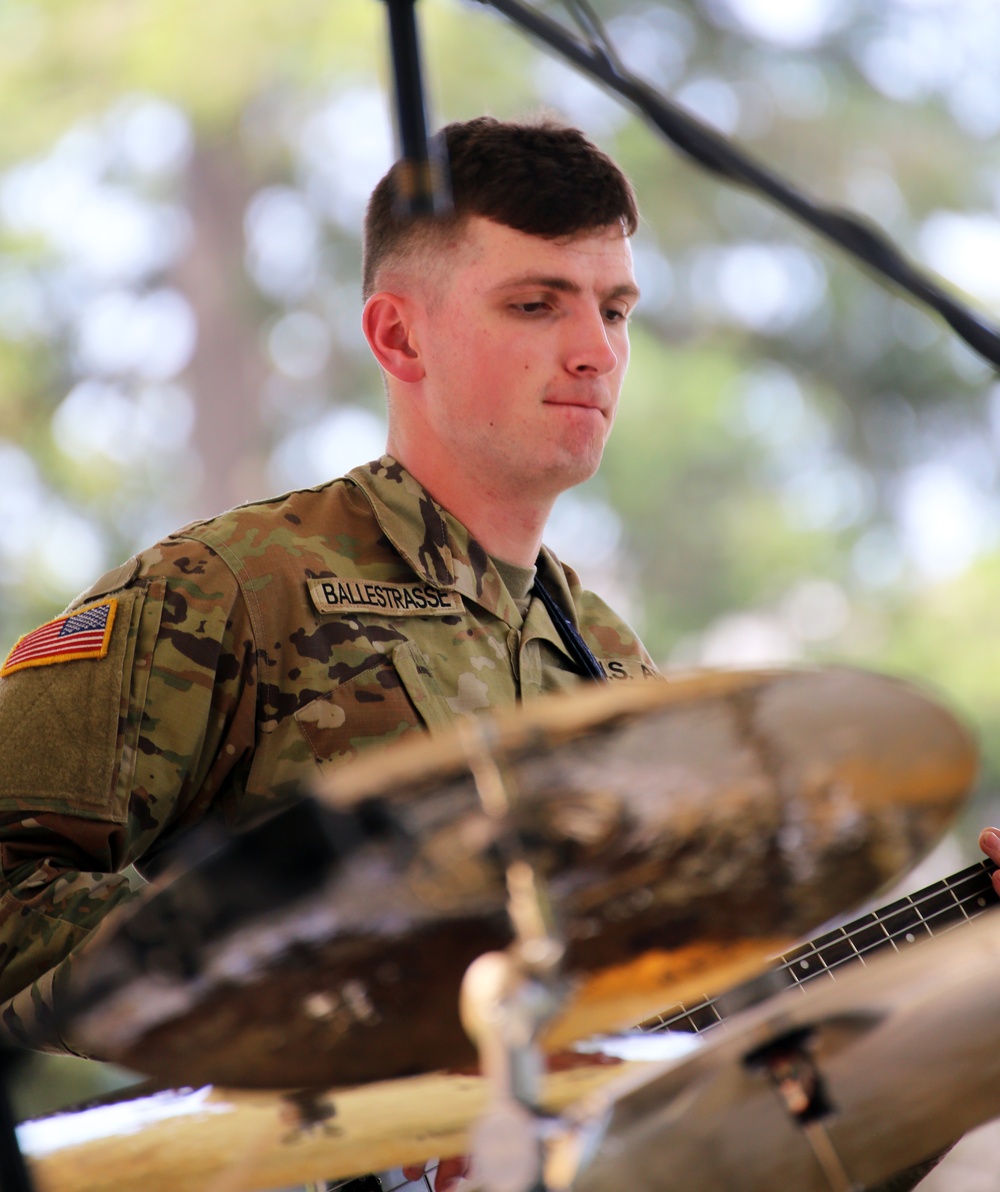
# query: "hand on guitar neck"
[[989, 842]]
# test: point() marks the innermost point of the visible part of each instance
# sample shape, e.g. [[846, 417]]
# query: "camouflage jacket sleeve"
[[103, 750]]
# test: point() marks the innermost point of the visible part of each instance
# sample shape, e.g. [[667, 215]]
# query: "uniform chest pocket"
[[394, 696]]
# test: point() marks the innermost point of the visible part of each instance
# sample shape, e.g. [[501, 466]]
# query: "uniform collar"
[[435, 544], [553, 575]]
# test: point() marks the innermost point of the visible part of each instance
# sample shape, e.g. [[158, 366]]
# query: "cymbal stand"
[[507, 997], [13, 1169], [793, 1072]]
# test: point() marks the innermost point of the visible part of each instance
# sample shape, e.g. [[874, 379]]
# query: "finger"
[[450, 1172], [413, 1171], [989, 842]]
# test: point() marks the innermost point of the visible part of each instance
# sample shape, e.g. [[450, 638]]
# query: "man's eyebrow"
[[625, 290], [563, 285]]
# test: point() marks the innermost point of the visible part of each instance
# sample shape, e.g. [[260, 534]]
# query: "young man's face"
[[524, 343]]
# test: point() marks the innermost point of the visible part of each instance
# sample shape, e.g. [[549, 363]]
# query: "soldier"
[[219, 670]]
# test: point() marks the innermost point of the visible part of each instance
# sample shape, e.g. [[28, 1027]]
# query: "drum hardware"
[[507, 997], [13, 1170], [311, 1112], [792, 1068]]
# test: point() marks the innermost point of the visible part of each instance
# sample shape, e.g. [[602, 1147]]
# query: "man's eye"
[[616, 316], [530, 308]]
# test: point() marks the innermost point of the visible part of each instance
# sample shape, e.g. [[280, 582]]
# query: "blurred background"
[[805, 465]]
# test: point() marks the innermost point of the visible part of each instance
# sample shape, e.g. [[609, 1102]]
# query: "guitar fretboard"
[[928, 912]]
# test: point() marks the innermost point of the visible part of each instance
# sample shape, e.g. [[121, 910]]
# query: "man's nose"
[[589, 349]]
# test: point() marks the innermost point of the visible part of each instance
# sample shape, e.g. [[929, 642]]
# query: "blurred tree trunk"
[[228, 370]]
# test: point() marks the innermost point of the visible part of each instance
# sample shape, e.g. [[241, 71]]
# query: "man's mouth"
[[578, 403]]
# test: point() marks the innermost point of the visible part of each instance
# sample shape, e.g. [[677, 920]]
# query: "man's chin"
[[572, 469]]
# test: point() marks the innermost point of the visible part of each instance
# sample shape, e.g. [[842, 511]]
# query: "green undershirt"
[[517, 580]]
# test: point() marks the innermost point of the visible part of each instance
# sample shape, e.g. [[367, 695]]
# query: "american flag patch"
[[81, 634]]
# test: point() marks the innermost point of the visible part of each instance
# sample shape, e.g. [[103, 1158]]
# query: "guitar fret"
[[942, 910], [693, 1020], [673, 1018], [799, 962], [814, 959], [836, 948], [705, 1016], [680, 1022], [903, 922], [869, 935], [973, 895]]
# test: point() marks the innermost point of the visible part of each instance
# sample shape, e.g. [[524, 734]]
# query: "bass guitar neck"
[[940, 907]]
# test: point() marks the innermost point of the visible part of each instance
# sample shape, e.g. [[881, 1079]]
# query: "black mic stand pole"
[[422, 174], [851, 233]]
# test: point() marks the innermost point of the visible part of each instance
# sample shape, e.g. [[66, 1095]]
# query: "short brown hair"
[[544, 178]]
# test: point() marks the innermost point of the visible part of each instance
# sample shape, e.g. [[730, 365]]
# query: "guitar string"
[[825, 967], [913, 902], [901, 906], [887, 940], [881, 916]]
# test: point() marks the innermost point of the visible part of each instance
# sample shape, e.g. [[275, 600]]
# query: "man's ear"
[[387, 326]]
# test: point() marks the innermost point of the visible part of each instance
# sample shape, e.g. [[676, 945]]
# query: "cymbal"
[[907, 1054], [686, 830], [246, 1140]]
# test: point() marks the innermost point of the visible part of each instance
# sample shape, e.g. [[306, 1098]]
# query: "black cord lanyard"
[[578, 649]]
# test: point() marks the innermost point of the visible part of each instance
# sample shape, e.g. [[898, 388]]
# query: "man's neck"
[[508, 526]]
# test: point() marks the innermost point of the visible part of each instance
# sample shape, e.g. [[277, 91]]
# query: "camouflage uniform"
[[243, 654]]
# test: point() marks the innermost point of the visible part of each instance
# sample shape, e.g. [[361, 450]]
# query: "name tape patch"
[[84, 633], [382, 598]]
